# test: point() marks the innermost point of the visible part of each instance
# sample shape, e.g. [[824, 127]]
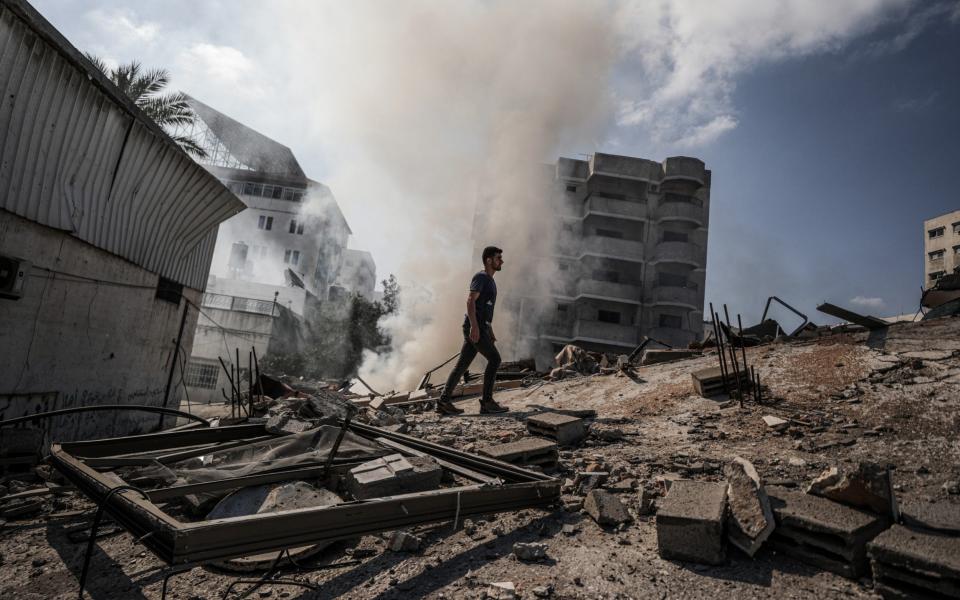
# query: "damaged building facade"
[[941, 247], [630, 257], [107, 229]]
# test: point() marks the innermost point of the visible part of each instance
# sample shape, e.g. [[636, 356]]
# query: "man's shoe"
[[491, 407], [445, 407]]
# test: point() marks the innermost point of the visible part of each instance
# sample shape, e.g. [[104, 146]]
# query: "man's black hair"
[[490, 252]]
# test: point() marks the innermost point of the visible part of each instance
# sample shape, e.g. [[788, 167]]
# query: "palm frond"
[[190, 146], [149, 83], [98, 62], [124, 76], [168, 109]]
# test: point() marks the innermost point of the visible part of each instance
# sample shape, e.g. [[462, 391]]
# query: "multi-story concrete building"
[[358, 273], [293, 222], [941, 247], [630, 257]]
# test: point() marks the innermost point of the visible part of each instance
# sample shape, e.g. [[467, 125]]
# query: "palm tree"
[[168, 110]]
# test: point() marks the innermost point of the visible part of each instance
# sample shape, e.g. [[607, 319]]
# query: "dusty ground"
[[893, 398]]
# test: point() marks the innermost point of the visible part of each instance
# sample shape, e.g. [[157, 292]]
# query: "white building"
[[107, 229], [941, 247]]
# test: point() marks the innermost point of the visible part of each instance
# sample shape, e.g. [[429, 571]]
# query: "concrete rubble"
[[403, 541], [908, 563], [605, 508], [751, 520], [529, 551], [690, 522], [564, 429], [392, 475], [868, 486], [528, 451]]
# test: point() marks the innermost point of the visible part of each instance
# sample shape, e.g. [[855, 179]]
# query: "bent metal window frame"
[[497, 487]]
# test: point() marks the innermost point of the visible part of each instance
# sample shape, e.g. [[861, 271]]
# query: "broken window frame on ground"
[[497, 487]]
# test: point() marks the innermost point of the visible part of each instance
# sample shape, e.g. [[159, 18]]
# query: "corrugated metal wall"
[[75, 158]]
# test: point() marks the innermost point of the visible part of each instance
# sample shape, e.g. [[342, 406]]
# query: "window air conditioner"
[[13, 274]]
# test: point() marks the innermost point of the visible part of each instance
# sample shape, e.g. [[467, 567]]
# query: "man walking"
[[478, 336]]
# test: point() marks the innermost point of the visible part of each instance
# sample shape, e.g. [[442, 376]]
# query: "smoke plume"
[[444, 111]]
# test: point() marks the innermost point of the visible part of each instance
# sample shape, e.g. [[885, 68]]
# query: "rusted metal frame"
[[453, 468], [788, 307], [716, 336], [164, 440], [733, 359], [177, 542], [167, 458]]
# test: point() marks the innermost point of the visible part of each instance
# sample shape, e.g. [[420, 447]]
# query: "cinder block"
[[911, 563], [566, 430], [709, 382], [393, 475], [690, 522], [822, 532], [528, 451]]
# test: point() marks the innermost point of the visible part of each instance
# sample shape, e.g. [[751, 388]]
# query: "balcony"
[[678, 338], [615, 247], [668, 294], [610, 206], [627, 167], [609, 289], [607, 332], [682, 211], [685, 252], [685, 167], [560, 329]]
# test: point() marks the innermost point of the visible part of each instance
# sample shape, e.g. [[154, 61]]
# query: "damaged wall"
[[89, 329]]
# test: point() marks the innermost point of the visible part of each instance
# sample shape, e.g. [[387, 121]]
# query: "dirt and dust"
[[847, 398]]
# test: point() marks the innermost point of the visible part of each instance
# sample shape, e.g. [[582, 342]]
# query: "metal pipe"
[[743, 347], [256, 364], [716, 337], [722, 349], [233, 389], [173, 361], [76, 409], [733, 358], [250, 382], [336, 445]]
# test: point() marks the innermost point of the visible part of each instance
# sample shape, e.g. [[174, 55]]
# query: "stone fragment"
[[690, 522], [951, 487], [586, 482], [821, 532], [775, 422], [868, 486], [621, 487], [531, 551], [503, 590], [751, 520], [393, 475], [911, 564], [287, 422], [21, 507], [646, 502], [566, 430], [609, 435], [605, 508], [542, 591], [402, 541]]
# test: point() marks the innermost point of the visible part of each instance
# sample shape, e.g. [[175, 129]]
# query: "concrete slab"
[[905, 558], [709, 382], [605, 508], [751, 520], [941, 516], [565, 429], [822, 532], [659, 355], [392, 475], [690, 522], [527, 451]]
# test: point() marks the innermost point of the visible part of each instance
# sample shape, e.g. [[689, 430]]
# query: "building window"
[[291, 257], [169, 290], [612, 196], [935, 233], [936, 255], [654, 188], [201, 375], [671, 321], [937, 275], [674, 236], [265, 223], [296, 227], [602, 275], [571, 188], [608, 316], [671, 279], [562, 309], [956, 228], [610, 233]]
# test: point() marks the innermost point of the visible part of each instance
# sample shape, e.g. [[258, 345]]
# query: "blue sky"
[[831, 128]]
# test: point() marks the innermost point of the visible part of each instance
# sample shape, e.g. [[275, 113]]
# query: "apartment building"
[[941, 247], [630, 257]]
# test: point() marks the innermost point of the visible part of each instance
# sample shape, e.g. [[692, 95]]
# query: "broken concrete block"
[[393, 475], [531, 551], [586, 482], [690, 522], [287, 422], [775, 422], [868, 486], [503, 590], [566, 430], [941, 517], [402, 541], [709, 382], [821, 532], [646, 502], [527, 451], [751, 520], [659, 355], [605, 508], [911, 564]]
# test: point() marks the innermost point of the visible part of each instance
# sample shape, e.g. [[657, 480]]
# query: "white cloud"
[[224, 65], [867, 302], [122, 27], [683, 58]]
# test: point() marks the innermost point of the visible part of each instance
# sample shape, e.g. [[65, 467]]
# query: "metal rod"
[[743, 347], [173, 361], [336, 445], [233, 390], [256, 365], [250, 382], [716, 337], [367, 385], [733, 358], [722, 349], [426, 376]]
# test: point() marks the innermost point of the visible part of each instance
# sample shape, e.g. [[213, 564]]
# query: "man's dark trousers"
[[469, 351]]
